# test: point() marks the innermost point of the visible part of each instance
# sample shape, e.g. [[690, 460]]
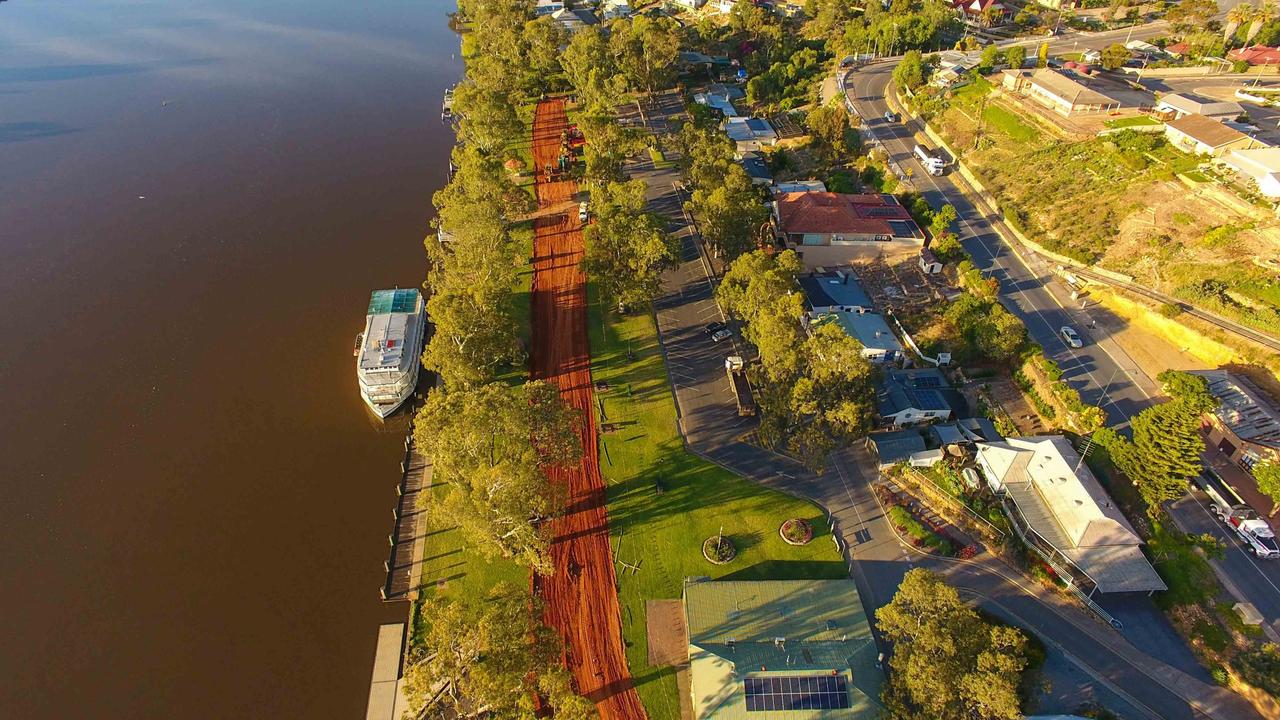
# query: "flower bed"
[[920, 535], [796, 531], [718, 550]]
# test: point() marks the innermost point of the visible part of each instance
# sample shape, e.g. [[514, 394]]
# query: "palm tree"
[[1236, 16], [1261, 16]]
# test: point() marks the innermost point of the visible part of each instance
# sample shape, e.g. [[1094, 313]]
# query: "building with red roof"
[[977, 11], [1256, 55], [829, 228]]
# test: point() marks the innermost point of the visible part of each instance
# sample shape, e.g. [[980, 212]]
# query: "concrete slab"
[[386, 701]]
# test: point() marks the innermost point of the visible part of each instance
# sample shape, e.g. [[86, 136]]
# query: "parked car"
[[1070, 336], [889, 116], [582, 211], [712, 328]]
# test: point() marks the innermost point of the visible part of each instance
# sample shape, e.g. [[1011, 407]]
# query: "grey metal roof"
[[1063, 502], [392, 330], [756, 167], [834, 289], [871, 330], [1249, 412], [897, 446]]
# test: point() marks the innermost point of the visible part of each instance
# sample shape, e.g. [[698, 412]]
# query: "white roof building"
[[614, 9], [1062, 512], [1261, 165], [1182, 105]]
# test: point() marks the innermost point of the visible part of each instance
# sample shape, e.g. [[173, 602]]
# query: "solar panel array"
[[797, 692], [926, 381]]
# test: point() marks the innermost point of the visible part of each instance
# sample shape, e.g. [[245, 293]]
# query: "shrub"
[[797, 531], [922, 536], [1260, 667], [1170, 310]]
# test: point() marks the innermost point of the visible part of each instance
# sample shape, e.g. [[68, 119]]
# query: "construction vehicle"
[[1232, 510], [736, 369]]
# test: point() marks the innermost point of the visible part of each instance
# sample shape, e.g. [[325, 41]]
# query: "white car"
[[582, 211], [1070, 336]]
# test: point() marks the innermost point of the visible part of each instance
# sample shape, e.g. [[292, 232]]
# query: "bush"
[[923, 536], [1170, 310], [1260, 667], [797, 531]]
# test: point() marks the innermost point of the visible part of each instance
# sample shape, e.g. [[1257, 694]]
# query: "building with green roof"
[[789, 649]]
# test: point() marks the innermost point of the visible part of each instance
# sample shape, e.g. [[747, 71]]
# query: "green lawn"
[[1138, 121], [1010, 124], [663, 501], [1195, 176]]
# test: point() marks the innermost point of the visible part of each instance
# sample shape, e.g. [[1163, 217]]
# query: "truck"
[[1235, 513], [736, 369], [932, 164]]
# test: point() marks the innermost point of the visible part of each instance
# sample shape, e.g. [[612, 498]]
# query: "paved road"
[[1103, 373], [1108, 668]]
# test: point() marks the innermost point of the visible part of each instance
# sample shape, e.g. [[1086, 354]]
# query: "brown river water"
[[196, 198]]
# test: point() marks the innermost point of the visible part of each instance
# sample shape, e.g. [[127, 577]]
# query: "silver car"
[[1070, 336]]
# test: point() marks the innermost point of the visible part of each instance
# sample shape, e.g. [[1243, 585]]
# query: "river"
[[196, 197]]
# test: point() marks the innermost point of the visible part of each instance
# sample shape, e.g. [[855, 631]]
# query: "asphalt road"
[[1101, 370]]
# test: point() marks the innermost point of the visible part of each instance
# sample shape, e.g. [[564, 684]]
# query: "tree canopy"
[[492, 446], [627, 248], [948, 663], [491, 652]]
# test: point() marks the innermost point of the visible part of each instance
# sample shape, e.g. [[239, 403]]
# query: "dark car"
[[713, 328]]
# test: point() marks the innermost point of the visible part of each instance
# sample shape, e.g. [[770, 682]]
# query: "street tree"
[[491, 446], [492, 652], [911, 70], [731, 215], [1263, 14], [1189, 15], [592, 71], [627, 248], [755, 281], [1267, 474], [1114, 56], [1238, 15], [942, 219], [989, 57], [541, 40], [1042, 55], [1191, 389], [948, 663], [1015, 56]]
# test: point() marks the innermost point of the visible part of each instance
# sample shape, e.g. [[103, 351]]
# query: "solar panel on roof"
[[927, 381], [393, 301], [796, 692]]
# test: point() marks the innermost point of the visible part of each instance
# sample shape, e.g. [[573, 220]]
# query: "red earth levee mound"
[[581, 597]]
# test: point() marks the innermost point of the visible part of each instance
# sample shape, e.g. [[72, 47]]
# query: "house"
[[929, 263], [547, 7], [575, 20], [1093, 57], [757, 169], [947, 78], [1143, 49], [895, 446], [986, 13], [780, 648], [1256, 55], [749, 133], [834, 290], [690, 4], [962, 61], [1175, 106], [911, 397], [1057, 507], [1200, 135], [723, 6], [879, 344], [828, 228], [615, 9], [1177, 50], [1059, 4], [798, 186], [788, 8], [1058, 92], [1259, 165], [1246, 424]]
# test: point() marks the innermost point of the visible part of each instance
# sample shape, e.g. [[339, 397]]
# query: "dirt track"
[[581, 598]]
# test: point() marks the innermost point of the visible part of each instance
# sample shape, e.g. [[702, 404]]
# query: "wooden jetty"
[[404, 566]]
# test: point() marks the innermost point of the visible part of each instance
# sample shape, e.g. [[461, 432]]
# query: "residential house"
[[798, 186], [749, 133], [962, 61], [1246, 424], [986, 13], [547, 7], [1059, 4], [575, 20], [723, 6], [789, 8], [912, 397], [1256, 55], [1177, 50], [879, 344], [1261, 166], [615, 9], [828, 228], [835, 289], [895, 447], [965, 431], [948, 78], [690, 4], [780, 648], [756, 167], [1053, 89], [1200, 135], [1175, 106], [1061, 511]]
